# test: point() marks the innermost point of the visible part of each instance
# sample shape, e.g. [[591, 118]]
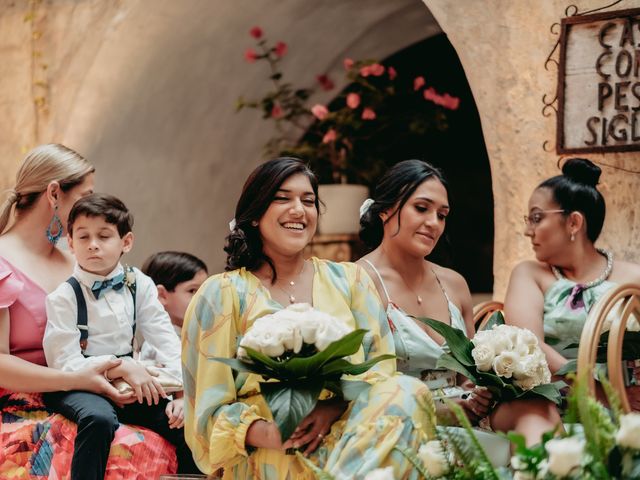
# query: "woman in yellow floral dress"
[[227, 422]]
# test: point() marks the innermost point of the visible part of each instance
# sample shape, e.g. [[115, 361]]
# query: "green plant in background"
[[336, 138]]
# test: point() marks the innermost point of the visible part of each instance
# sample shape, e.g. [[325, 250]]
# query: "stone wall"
[[503, 46], [146, 90]]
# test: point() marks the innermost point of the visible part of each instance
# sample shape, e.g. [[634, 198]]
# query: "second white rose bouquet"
[[505, 359], [306, 351]]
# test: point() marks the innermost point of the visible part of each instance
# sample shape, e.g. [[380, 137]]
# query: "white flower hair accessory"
[[232, 225], [366, 205]]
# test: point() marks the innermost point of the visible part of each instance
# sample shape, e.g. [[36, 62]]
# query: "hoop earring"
[[54, 224]]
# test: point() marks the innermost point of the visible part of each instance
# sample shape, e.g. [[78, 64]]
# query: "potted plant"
[[335, 138]]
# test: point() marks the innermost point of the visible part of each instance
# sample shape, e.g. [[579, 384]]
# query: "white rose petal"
[[288, 329], [483, 356], [523, 476], [517, 463], [505, 363], [434, 459], [565, 454], [629, 434], [380, 474]]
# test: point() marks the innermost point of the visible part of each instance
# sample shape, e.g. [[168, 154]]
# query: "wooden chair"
[[483, 311], [618, 304]]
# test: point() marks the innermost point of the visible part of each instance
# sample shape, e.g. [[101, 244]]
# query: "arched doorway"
[[455, 145]]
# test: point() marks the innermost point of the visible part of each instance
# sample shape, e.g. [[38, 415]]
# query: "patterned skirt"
[[37, 444]]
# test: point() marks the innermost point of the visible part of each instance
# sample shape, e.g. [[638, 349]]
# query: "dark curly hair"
[[395, 188], [244, 244], [575, 191]]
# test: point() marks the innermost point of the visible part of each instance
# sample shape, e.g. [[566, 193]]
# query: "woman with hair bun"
[[553, 294], [227, 422]]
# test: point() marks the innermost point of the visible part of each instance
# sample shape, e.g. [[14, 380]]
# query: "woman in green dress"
[[552, 295]]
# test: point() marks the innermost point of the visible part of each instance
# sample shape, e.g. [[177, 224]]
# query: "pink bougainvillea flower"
[[446, 101], [365, 71], [256, 32], [280, 49], [319, 111], [377, 70], [368, 114], [392, 73], [348, 63], [418, 83], [330, 136], [452, 103], [353, 100], [276, 111], [325, 82], [250, 55], [430, 94]]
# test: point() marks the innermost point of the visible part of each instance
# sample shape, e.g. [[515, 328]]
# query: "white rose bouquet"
[[505, 359], [303, 349]]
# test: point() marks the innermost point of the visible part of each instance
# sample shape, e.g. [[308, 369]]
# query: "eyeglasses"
[[536, 217]]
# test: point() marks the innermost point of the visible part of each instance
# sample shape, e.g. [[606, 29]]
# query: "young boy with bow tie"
[[93, 316]]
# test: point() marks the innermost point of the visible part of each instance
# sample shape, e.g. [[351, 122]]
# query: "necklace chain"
[[292, 283], [418, 297], [593, 283]]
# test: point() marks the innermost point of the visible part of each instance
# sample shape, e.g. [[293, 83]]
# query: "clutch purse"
[[170, 383]]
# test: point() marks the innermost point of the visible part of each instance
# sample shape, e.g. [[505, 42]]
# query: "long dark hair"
[[395, 187], [244, 244], [575, 191]]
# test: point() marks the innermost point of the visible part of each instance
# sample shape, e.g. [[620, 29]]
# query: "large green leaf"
[[340, 366], [497, 318], [449, 362], [262, 358], [241, 366], [290, 403], [458, 343], [570, 367], [347, 345], [550, 391]]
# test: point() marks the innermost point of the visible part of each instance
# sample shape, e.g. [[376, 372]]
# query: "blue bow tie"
[[116, 283]]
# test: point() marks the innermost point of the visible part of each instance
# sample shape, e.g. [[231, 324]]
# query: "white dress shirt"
[[110, 322]]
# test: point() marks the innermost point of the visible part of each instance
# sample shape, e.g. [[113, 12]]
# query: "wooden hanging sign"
[[599, 83]]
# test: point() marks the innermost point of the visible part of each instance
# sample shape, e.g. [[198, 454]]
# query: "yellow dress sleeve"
[[216, 422]]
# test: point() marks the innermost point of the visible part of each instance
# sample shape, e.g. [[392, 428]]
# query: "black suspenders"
[[82, 310]]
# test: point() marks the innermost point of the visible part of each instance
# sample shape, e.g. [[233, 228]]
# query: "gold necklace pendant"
[[419, 299], [292, 283]]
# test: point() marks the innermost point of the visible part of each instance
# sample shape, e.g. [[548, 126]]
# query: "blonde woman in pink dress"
[[32, 220]]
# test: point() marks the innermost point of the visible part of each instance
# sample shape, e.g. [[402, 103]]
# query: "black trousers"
[[98, 419]]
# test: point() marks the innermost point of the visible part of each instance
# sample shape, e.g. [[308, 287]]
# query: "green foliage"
[[599, 430], [460, 360], [415, 460], [475, 457], [302, 378], [497, 318]]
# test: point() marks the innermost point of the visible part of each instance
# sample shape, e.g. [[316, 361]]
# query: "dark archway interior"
[[459, 151]]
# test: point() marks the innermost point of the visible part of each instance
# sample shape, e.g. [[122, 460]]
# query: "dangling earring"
[[254, 223], [573, 237], [54, 224]]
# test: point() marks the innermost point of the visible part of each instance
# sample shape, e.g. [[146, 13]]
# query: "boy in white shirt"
[[94, 316]]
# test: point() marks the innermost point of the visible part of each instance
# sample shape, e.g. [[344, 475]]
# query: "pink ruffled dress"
[[36, 444]]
